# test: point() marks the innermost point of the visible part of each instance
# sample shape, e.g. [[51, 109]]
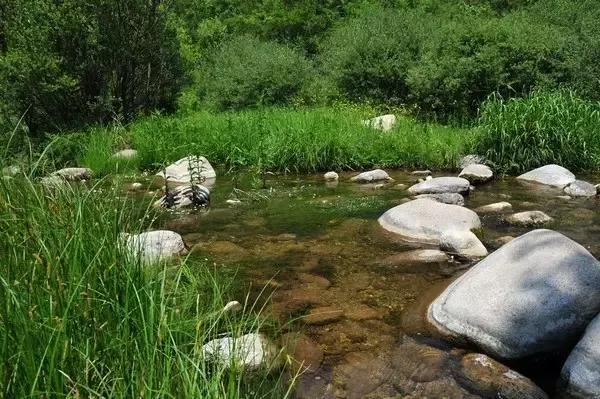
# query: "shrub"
[[246, 72], [545, 127]]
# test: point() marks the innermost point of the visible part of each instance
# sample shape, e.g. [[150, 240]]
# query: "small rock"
[[564, 197], [331, 176], [323, 315], [440, 185], [529, 219], [445, 198], [153, 246], [363, 312], [580, 188], [462, 243], [416, 256], [11, 170], [136, 186], [552, 175], [307, 355], [314, 280], [400, 186], [125, 154], [249, 352], [496, 207], [232, 307], [500, 241], [426, 172], [470, 160], [233, 201], [477, 173], [73, 174], [371, 176], [385, 123]]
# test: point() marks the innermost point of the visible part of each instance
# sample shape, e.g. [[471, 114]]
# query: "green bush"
[[543, 128], [247, 72]]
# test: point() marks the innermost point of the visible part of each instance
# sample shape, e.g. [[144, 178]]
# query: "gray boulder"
[[533, 295], [179, 172], [580, 376], [496, 207], [154, 246], [477, 173], [425, 221], [529, 219], [445, 198], [439, 185], [580, 188], [462, 243], [371, 176], [385, 123], [73, 174], [470, 160], [551, 175], [248, 352]]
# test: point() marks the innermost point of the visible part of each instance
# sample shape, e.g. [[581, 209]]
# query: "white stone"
[[331, 176], [470, 160], [496, 207], [477, 173], [136, 186], [233, 307], [580, 188], [529, 218], [125, 154], [462, 243], [385, 123], [154, 246], [179, 172], [74, 174], [249, 352], [439, 185], [533, 295], [446, 198], [11, 170], [371, 176], [552, 175]]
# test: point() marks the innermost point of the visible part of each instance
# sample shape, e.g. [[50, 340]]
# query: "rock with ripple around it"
[[440, 185], [551, 175]]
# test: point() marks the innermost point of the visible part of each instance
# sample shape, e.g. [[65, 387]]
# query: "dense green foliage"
[[81, 318], [521, 134]]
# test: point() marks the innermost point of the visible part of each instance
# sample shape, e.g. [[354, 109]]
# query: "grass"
[[286, 140], [80, 318]]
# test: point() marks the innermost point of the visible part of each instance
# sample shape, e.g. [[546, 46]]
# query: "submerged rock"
[[477, 173], [416, 256], [371, 176], [307, 354], [424, 220], [323, 315], [552, 175], [248, 352], [462, 243], [533, 295], [385, 123], [580, 188], [73, 174], [425, 172], [440, 185], [497, 207], [580, 376], [179, 172], [331, 176], [529, 218], [153, 246], [445, 198]]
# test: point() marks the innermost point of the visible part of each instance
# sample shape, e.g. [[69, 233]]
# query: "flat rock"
[[179, 172], [462, 243], [497, 207], [385, 123], [249, 352], [580, 376], [551, 175], [445, 198], [580, 188], [439, 185], [416, 256], [331, 176], [477, 173], [424, 220], [371, 176], [533, 295], [323, 315], [529, 219], [153, 246], [306, 353], [73, 174]]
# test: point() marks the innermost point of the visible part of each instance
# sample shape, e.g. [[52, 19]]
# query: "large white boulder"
[[249, 352], [552, 175], [580, 376], [425, 221], [179, 172], [533, 295], [385, 123], [371, 176], [439, 185], [154, 246], [580, 188], [477, 173]]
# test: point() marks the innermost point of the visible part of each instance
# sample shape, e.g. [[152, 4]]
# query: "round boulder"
[[580, 188], [179, 172], [248, 352], [440, 185], [529, 218], [477, 173], [551, 175], [371, 176], [496, 207], [331, 176], [533, 295], [154, 246]]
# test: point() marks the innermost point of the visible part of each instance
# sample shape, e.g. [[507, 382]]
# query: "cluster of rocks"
[[557, 176]]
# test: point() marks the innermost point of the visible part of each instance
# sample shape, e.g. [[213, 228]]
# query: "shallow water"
[[319, 246]]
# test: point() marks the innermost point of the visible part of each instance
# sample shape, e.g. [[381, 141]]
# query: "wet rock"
[[470, 159], [125, 154], [73, 174], [184, 196], [497, 207], [487, 377], [11, 170], [580, 376], [445, 198], [363, 312], [462, 243], [477, 173], [424, 220], [529, 219], [295, 300], [331, 176], [179, 172], [154, 246], [385, 123], [426, 172], [314, 280], [233, 201], [552, 175], [323, 315], [533, 295], [371, 176], [416, 256], [249, 352], [232, 307], [580, 188], [440, 185], [306, 353]]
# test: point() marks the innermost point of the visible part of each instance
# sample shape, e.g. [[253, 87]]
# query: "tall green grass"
[[80, 318], [543, 128], [298, 140]]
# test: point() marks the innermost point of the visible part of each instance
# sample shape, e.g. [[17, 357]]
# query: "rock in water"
[[580, 376], [440, 185], [529, 218], [73, 174], [445, 198], [462, 243], [552, 175], [371, 176], [154, 246], [184, 196], [385, 123], [470, 160], [533, 295], [179, 172], [477, 173], [331, 176], [424, 220], [496, 207], [580, 188], [249, 352]]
